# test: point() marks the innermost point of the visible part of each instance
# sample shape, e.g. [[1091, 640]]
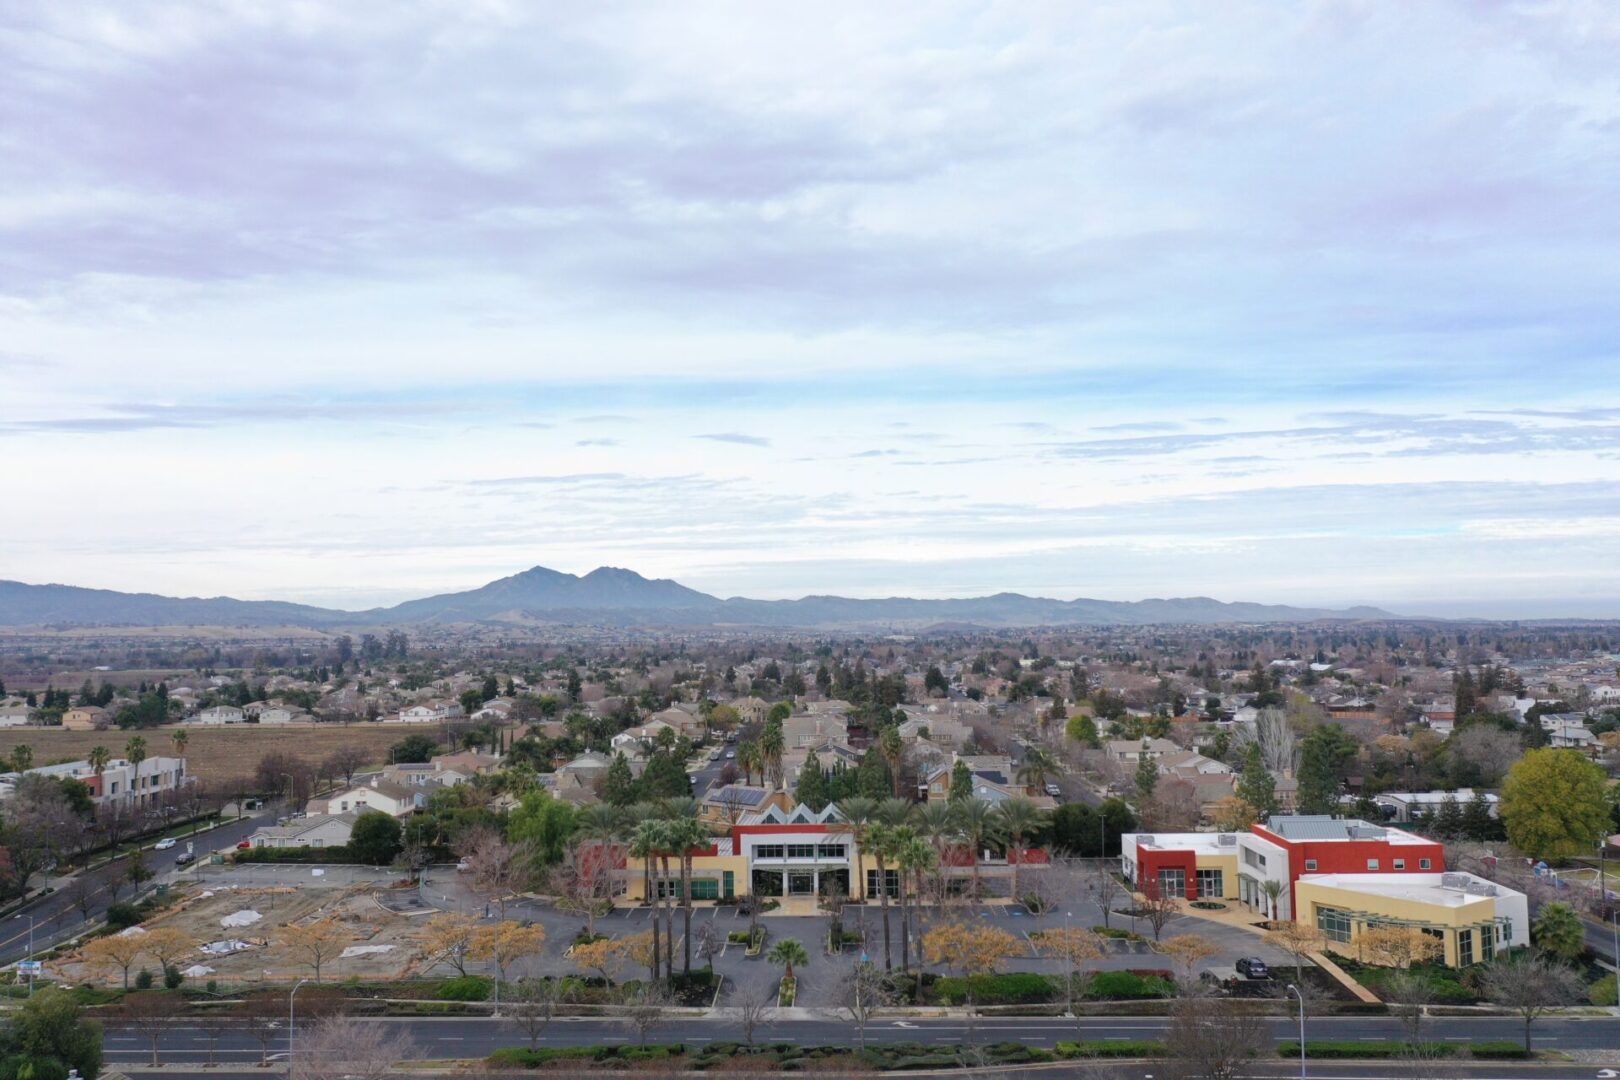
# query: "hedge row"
[[785, 1056], [1015, 988], [1498, 1050], [337, 854], [1092, 1048]]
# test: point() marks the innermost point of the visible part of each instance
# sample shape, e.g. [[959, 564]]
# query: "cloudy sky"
[[347, 303]]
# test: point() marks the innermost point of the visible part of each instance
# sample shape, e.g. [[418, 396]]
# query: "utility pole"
[[291, 1022]]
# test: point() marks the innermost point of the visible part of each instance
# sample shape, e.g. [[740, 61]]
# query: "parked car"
[[185, 858], [1252, 967], [243, 846], [731, 753], [463, 866], [164, 844], [1053, 790]]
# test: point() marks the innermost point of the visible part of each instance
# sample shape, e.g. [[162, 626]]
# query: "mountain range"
[[615, 597]]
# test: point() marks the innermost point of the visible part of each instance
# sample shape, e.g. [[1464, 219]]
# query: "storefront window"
[[1334, 924], [1211, 883]]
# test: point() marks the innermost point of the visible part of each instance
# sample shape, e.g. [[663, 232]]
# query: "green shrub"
[[1015, 988], [1328, 1048], [122, 915], [172, 978], [1128, 986], [1122, 935], [1602, 992], [464, 988], [1110, 1048], [1499, 1050], [144, 980]]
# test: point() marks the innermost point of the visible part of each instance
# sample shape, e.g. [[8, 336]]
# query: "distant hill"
[[612, 596]]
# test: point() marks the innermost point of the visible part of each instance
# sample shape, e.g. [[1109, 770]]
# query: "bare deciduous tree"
[[535, 1005], [863, 990], [343, 1048], [751, 1013], [1212, 1038], [1410, 994], [1530, 985], [644, 1010]]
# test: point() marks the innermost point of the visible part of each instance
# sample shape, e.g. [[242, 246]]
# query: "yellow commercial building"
[[1472, 918]]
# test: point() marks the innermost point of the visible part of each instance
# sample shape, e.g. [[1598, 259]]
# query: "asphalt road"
[[186, 1042], [56, 917]]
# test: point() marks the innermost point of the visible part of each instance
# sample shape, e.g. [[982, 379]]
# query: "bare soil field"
[[383, 945], [219, 753]]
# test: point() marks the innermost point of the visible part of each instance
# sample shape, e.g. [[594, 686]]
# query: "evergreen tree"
[[1477, 822], [1147, 778], [812, 789], [1448, 823], [1322, 753], [1256, 785], [961, 784], [619, 786]]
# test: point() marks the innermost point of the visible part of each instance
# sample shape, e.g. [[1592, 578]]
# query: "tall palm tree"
[[1038, 767], [749, 759], [909, 853], [135, 751], [918, 857], [646, 845], [99, 758], [893, 750], [858, 813], [880, 838], [936, 823], [771, 746], [179, 739], [689, 836], [1017, 820], [977, 823]]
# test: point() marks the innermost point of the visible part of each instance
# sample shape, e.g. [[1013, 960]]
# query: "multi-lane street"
[[57, 916], [187, 1042]]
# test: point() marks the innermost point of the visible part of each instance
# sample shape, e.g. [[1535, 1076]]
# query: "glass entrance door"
[[801, 884]]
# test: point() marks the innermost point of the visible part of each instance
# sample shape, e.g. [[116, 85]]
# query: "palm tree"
[[645, 845], [857, 813], [977, 822], [788, 952], [919, 858], [749, 759], [180, 738], [1017, 820], [1039, 766], [892, 749], [771, 745], [135, 751], [936, 822], [689, 836], [99, 758], [880, 837], [911, 855]]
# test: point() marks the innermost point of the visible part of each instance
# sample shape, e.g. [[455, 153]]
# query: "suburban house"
[[84, 718], [1341, 875], [14, 713], [428, 712], [391, 798], [316, 830], [1131, 751], [219, 714], [284, 714]]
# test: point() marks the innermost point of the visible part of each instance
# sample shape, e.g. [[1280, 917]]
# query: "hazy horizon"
[[359, 303]]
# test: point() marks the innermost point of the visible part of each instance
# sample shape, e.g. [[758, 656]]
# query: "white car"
[[164, 844], [731, 753]]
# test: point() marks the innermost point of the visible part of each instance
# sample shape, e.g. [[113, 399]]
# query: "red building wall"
[[1149, 861], [1350, 857]]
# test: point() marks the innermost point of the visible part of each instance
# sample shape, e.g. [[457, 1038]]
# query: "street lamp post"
[[1292, 989], [291, 1021], [30, 917]]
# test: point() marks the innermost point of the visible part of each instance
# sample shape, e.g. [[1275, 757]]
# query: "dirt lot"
[[219, 753], [387, 941]]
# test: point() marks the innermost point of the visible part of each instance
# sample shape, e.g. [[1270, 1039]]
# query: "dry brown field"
[[219, 753]]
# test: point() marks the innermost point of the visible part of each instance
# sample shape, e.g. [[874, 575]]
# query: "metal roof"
[[1323, 827]]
